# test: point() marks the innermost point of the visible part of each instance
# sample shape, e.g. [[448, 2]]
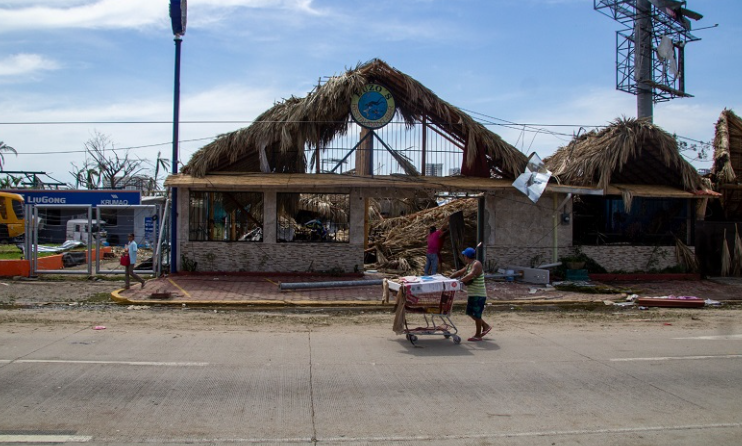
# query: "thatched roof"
[[275, 142], [629, 151], [727, 148]]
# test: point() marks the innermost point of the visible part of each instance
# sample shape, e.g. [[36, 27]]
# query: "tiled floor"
[[251, 289]]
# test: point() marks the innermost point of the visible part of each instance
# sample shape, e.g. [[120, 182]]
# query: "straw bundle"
[[628, 151], [400, 242], [685, 256], [727, 147], [725, 256], [737, 266]]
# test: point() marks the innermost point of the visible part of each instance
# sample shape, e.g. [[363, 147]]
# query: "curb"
[[118, 298]]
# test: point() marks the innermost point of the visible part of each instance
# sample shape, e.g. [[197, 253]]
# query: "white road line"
[[733, 337], [155, 364], [676, 358], [413, 438], [44, 438]]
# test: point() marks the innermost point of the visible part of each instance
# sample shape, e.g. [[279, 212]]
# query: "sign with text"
[[81, 197]]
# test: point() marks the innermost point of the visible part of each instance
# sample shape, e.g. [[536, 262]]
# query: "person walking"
[[132, 249], [472, 275], [435, 243]]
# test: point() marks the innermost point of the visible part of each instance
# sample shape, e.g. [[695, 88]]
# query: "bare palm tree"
[[5, 148]]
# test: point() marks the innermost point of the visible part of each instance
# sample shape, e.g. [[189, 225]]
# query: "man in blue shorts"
[[472, 275]]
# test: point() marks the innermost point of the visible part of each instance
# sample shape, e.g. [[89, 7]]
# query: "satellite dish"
[[533, 181]]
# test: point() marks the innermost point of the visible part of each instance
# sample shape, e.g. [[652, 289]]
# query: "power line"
[[537, 128], [116, 149]]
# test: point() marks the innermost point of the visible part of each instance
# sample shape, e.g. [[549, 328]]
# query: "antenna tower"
[[650, 49]]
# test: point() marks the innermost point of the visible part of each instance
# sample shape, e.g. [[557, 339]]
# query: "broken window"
[[313, 218], [226, 216]]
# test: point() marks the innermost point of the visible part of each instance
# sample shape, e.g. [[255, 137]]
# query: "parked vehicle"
[[77, 229]]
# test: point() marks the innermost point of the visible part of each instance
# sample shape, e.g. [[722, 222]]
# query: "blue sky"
[[69, 68]]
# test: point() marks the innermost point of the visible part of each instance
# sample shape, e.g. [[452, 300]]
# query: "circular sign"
[[373, 107]]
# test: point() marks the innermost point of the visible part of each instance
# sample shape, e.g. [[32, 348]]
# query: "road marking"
[[179, 287], [44, 438], [716, 338], [156, 364], [413, 438], [676, 358]]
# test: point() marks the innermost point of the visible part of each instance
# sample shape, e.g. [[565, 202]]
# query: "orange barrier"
[[9, 268]]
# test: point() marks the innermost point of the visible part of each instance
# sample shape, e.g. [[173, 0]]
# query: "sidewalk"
[[256, 290]]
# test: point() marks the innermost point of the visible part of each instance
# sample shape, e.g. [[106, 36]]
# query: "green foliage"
[[655, 257], [188, 264], [579, 256]]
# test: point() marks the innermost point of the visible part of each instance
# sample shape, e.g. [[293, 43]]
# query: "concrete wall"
[[518, 231], [269, 256], [632, 258]]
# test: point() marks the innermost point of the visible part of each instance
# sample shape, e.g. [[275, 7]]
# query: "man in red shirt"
[[435, 243]]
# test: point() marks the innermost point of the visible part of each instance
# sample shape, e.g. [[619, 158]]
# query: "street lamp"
[[178, 14]]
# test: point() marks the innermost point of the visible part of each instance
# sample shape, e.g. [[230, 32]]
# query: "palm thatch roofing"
[[727, 148], [275, 142], [628, 151], [727, 168]]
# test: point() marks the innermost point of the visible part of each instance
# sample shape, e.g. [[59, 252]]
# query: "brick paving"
[[256, 290]]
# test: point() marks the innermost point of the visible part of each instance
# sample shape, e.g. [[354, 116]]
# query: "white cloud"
[[25, 64], [225, 103], [117, 14]]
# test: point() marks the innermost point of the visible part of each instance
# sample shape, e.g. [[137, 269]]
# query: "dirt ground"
[[725, 320], [77, 300]]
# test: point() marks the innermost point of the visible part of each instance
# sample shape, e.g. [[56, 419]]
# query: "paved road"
[[538, 383]]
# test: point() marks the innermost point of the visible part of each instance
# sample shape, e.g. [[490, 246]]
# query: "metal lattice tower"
[[639, 68]]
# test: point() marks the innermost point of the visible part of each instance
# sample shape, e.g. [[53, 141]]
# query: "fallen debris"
[[672, 301]]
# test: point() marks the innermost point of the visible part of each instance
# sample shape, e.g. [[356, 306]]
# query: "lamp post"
[[178, 14]]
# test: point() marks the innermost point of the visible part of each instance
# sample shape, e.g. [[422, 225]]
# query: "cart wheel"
[[409, 337], [446, 335], [413, 338], [457, 339]]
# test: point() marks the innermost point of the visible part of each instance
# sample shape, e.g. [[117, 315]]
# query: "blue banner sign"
[[150, 229], [82, 197]]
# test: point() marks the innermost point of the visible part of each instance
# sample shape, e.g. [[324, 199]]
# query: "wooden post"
[[365, 153], [424, 145]]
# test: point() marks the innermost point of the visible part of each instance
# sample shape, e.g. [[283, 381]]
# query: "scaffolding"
[[662, 19]]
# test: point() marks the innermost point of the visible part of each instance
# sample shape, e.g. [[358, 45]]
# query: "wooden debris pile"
[[400, 243]]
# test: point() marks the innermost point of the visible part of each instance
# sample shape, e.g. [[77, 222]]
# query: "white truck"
[[77, 230]]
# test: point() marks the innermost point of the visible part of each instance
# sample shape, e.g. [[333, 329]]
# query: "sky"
[[72, 68]]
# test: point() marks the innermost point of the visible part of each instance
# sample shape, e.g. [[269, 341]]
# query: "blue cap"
[[469, 252]]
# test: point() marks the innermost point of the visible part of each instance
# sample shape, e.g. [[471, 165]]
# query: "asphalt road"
[[217, 379]]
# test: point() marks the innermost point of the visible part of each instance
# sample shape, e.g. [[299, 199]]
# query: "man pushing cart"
[[429, 296], [433, 296]]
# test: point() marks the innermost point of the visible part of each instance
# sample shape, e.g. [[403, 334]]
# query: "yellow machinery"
[[12, 223]]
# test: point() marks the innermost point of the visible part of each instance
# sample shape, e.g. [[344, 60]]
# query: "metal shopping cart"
[[429, 296]]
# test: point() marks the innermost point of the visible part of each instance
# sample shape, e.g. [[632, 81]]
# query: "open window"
[[226, 216], [318, 218]]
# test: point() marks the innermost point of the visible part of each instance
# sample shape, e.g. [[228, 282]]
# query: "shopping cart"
[[429, 296]]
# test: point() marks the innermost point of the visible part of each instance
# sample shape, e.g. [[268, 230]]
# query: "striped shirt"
[[476, 287]]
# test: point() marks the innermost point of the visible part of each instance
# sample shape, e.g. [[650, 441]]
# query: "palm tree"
[[5, 148]]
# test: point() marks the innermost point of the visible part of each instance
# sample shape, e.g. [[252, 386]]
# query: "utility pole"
[[178, 20], [643, 60]]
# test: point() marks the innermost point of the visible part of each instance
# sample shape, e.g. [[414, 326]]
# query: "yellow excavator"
[[12, 222]]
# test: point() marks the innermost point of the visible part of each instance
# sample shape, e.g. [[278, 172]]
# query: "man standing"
[[435, 243], [472, 275], [132, 248]]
